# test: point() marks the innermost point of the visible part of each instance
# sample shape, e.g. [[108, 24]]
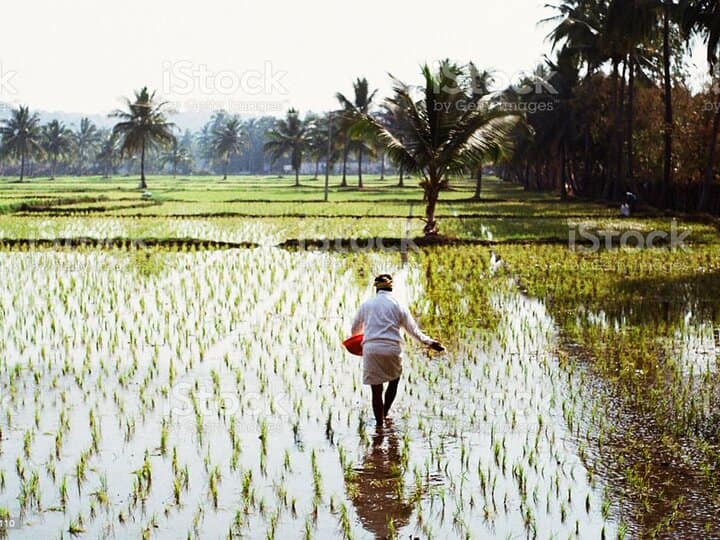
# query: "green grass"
[[505, 213]]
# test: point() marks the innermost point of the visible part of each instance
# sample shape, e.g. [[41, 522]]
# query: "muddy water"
[[231, 361]]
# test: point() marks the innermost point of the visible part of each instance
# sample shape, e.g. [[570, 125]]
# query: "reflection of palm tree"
[[376, 488]]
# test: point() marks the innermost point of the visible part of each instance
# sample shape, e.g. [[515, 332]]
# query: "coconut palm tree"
[[291, 137], [21, 136], [447, 133], [143, 126], [87, 138], [57, 142], [354, 110], [227, 139]]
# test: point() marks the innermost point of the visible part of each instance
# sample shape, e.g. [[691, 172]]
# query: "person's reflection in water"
[[376, 489]]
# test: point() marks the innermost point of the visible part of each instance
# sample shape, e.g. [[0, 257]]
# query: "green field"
[[170, 365]]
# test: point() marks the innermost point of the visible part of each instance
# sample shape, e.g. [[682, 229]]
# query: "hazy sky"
[[84, 55]]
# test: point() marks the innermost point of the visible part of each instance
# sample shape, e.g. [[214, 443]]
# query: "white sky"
[[84, 55]]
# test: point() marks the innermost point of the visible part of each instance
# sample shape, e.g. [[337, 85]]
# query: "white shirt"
[[380, 320]]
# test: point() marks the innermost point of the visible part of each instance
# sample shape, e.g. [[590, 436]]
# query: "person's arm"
[[358, 322], [412, 328]]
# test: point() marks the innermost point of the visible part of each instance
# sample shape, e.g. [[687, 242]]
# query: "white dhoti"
[[381, 363]]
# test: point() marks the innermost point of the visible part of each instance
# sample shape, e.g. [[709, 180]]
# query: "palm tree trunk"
[[631, 127], [587, 182], [432, 192], [22, 165], [478, 182], [52, 168], [297, 177], [709, 173], [382, 166], [344, 167], [563, 171], [360, 155], [317, 168], [667, 162], [143, 183], [225, 168], [401, 180], [610, 177], [619, 179]]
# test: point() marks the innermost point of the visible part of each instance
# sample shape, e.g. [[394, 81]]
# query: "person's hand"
[[437, 346]]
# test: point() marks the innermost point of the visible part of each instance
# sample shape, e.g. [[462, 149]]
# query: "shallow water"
[[233, 359]]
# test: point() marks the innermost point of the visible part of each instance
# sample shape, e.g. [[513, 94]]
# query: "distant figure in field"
[[628, 205], [380, 320]]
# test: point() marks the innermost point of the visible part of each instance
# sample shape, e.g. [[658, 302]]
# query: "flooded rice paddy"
[[191, 393], [205, 395]]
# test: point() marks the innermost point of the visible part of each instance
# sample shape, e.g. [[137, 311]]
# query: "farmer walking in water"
[[380, 320]]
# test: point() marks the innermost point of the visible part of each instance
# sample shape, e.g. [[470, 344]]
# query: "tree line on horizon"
[[610, 112]]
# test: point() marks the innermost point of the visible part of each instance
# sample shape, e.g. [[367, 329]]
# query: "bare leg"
[[377, 403], [390, 394]]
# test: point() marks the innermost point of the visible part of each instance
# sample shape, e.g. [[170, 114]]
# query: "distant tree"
[[177, 156], [87, 138], [21, 136], [256, 130], [108, 153], [354, 110], [227, 139], [143, 126], [290, 136], [57, 143], [443, 136], [318, 141], [702, 18]]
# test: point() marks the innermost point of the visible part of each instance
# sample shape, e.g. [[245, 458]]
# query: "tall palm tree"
[[290, 137], [481, 80], [57, 143], [446, 136], [227, 139], [87, 138], [21, 136], [143, 126], [355, 109], [702, 18], [579, 29]]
